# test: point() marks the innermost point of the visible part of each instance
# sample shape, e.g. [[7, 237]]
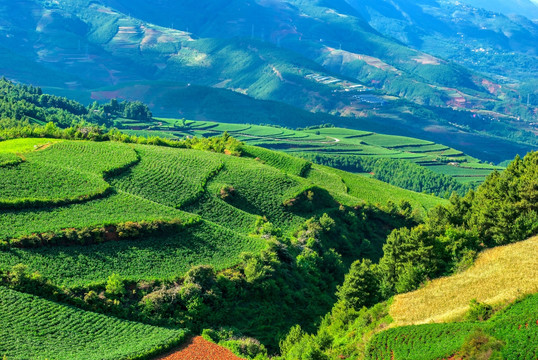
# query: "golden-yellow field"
[[499, 275]]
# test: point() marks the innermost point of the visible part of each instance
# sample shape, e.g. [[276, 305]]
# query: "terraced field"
[[219, 196], [171, 177], [516, 327], [35, 328], [485, 281], [333, 141]]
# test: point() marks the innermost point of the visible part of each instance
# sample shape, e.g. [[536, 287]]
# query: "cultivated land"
[[516, 328], [149, 215], [72, 333], [111, 223], [329, 141]]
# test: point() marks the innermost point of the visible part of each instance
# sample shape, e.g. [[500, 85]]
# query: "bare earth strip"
[[499, 275], [200, 349]]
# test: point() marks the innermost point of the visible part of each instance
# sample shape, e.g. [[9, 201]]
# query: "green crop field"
[[24, 145], [116, 208], [284, 162], [35, 328], [375, 191], [516, 327], [170, 177], [333, 141], [156, 257], [63, 173], [419, 342], [151, 183]]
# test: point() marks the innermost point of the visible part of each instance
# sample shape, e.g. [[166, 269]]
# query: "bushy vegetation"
[[36, 328], [24, 102], [410, 257], [266, 251], [503, 210], [130, 110], [482, 284]]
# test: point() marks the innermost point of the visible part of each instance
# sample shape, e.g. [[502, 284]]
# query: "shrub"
[[479, 311]]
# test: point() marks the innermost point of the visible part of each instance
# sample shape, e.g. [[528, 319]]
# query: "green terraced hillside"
[[99, 188], [452, 166]]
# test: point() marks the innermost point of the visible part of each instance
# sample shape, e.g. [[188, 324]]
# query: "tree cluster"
[[401, 173]]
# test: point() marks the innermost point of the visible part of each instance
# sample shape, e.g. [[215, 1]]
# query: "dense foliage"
[[130, 110], [22, 102], [448, 241], [501, 211], [401, 173]]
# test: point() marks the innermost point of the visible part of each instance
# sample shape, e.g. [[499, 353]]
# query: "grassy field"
[[24, 145], [499, 275], [35, 328]]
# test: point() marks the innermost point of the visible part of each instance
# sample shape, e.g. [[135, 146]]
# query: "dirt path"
[[200, 349]]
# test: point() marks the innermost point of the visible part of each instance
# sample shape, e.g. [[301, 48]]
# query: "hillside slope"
[[493, 43], [498, 276]]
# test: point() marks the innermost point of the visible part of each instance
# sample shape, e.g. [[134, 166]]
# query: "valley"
[[268, 180]]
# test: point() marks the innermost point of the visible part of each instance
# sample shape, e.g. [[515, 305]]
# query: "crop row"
[[419, 342], [516, 327], [9, 159], [171, 177], [152, 257], [259, 189], [39, 329], [115, 209], [99, 158], [32, 183], [67, 172], [287, 163]]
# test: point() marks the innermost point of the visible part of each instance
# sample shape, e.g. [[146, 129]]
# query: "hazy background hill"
[[316, 56], [528, 8], [503, 46]]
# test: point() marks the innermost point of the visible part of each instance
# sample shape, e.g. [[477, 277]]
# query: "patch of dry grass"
[[499, 275]]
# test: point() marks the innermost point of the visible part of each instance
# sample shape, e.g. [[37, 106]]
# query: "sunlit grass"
[[499, 275]]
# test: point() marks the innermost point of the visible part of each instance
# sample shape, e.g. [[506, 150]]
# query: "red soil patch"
[[200, 349]]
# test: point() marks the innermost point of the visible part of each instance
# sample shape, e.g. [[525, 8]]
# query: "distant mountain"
[[528, 8], [313, 55], [505, 47]]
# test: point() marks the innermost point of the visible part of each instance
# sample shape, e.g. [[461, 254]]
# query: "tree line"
[[401, 173]]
